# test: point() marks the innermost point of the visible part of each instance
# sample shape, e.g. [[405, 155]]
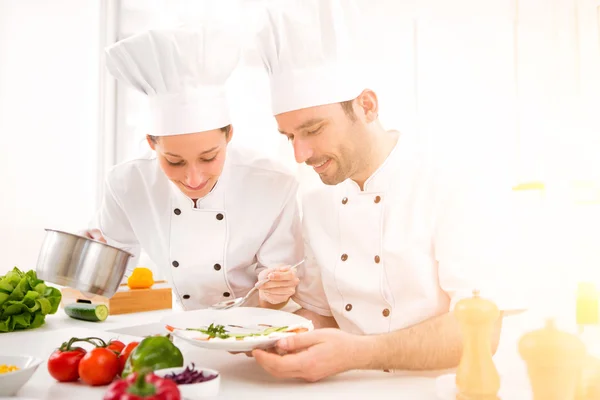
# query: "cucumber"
[[87, 312]]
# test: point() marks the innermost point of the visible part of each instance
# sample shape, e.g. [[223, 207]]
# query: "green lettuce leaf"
[[4, 324], [54, 296], [3, 298], [6, 287], [21, 321], [38, 320], [25, 300], [45, 305], [40, 288]]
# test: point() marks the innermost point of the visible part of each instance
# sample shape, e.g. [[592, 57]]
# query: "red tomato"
[[64, 365], [125, 354], [99, 367], [116, 345]]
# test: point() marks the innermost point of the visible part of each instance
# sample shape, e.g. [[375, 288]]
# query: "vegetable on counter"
[[141, 278], [190, 375], [153, 352], [25, 300], [116, 345], [87, 312], [125, 355], [99, 366], [143, 386], [63, 364]]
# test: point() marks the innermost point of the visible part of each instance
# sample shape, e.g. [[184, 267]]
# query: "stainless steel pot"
[[81, 263]]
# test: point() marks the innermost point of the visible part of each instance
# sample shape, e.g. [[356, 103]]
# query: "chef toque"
[[183, 72], [308, 50]]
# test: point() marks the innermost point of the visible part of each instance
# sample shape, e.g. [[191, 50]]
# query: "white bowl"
[[195, 391], [11, 382]]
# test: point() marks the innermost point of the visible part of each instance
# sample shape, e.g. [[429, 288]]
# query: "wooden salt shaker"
[[554, 362], [477, 377]]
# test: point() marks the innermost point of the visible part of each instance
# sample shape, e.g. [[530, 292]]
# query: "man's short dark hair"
[[349, 109]]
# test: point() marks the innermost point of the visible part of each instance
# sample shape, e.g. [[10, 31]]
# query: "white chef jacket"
[[404, 249], [214, 252]]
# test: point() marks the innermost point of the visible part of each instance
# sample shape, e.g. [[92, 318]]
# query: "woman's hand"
[[94, 234], [280, 287]]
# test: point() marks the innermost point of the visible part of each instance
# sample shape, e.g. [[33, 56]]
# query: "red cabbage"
[[190, 375]]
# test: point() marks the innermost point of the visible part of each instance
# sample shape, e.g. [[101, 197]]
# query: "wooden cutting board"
[[126, 300]]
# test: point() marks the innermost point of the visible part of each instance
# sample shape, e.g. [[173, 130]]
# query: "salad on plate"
[[239, 329], [232, 333]]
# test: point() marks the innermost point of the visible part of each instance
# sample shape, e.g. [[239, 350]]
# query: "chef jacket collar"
[[383, 177], [213, 199]]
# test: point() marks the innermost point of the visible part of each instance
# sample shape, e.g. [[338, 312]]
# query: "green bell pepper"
[[153, 352]]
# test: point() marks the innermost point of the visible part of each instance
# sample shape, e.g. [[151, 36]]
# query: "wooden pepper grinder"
[[554, 362], [477, 377]]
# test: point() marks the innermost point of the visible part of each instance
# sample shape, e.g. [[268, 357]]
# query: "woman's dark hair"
[[225, 129]]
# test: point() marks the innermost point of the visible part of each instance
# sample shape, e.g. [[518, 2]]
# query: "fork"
[[227, 304]]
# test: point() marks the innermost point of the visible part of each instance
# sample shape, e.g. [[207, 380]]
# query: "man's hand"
[[281, 286], [314, 355]]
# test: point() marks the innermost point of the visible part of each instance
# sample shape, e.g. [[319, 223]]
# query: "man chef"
[[392, 240], [214, 219]]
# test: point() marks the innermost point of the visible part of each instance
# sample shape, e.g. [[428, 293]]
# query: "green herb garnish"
[[219, 331], [215, 331]]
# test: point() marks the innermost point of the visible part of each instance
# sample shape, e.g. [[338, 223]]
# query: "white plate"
[[445, 389], [241, 316]]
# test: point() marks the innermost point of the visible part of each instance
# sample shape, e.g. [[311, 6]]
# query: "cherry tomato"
[[64, 365], [99, 367], [125, 354], [116, 345]]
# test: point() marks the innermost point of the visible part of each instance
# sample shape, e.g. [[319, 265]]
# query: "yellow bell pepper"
[[141, 278]]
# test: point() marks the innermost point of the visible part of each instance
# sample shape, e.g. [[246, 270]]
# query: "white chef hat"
[[308, 50], [183, 72]]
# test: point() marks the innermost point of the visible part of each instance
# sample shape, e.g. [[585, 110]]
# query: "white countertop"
[[240, 375]]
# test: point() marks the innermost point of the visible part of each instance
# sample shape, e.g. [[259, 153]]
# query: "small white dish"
[[193, 391], [12, 382]]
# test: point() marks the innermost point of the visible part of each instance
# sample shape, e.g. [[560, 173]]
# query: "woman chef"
[[212, 218]]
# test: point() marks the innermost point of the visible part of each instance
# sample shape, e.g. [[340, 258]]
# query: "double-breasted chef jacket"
[[212, 251], [404, 249]]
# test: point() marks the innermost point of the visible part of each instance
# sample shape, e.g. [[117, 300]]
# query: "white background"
[[513, 86], [49, 116]]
